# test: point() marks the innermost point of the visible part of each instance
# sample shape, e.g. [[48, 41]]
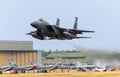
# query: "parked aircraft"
[[45, 31], [17, 68], [5, 68], [44, 68], [84, 66], [100, 69], [97, 66]]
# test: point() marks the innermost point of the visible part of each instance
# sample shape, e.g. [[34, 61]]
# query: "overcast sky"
[[103, 16]]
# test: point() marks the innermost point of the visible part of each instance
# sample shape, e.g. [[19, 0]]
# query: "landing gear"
[[0, 72], [22, 71], [15, 72], [41, 71]]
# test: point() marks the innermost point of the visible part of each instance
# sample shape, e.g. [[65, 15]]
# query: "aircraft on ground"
[[91, 66], [5, 68], [17, 68], [45, 31], [44, 68], [84, 66]]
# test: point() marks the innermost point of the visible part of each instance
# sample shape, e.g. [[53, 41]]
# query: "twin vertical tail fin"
[[31, 62], [75, 23], [58, 22], [11, 63]]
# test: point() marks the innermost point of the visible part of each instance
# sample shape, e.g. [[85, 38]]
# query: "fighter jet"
[[5, 68], [44, 68], [46, 31], [17, 68], [84, 66]]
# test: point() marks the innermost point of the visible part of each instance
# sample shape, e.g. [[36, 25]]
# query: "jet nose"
[[28, 33], [34, 24]]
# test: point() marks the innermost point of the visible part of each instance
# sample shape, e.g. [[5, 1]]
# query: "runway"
[[66, 74]]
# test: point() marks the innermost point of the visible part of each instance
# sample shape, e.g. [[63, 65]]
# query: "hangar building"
[[65, 57], [19, 51]]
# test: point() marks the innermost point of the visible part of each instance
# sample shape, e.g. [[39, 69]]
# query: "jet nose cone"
[[28, 33], [34, 24]]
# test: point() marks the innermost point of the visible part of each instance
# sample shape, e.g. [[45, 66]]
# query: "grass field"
[[76, 74]]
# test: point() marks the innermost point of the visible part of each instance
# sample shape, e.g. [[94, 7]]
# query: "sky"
[[102, 16]]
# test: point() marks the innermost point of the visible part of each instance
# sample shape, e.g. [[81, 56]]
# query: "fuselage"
[[6, 68], [52, 31]]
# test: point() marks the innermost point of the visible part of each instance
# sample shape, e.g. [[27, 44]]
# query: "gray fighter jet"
[[44, 68], [17, 68], [45, 31], [85, 66], [5, 68]]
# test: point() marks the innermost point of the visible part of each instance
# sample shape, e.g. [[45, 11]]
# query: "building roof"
[[16, 45], [18, 50], [65, 55]]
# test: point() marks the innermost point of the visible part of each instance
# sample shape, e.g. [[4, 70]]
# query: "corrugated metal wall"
[[21, 57]]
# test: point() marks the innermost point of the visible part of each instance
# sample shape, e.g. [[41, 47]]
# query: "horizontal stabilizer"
[[87, 31], [84, 37]]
